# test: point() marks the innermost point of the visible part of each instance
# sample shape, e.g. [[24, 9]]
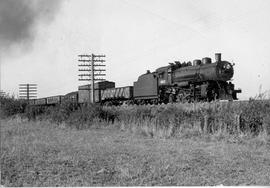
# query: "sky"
[[40, 40]]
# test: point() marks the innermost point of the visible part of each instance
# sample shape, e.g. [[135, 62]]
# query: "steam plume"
[[18, 19]]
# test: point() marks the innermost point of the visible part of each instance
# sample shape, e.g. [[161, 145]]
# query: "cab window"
[[161, 75]]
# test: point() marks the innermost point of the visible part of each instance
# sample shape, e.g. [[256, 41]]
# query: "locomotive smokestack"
[[218, 57]]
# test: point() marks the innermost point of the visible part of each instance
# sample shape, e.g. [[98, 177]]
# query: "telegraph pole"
[[28, 91], [91, 62]]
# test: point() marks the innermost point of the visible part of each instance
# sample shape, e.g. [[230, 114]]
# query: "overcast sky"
[[40, 40]]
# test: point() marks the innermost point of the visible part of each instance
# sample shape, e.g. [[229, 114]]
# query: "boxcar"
[[70, 97], [41, 101], [32, 101], [54, 100], [85, 96], [84, 91]]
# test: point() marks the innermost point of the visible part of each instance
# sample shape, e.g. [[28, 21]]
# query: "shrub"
[[84, 116], [219, 117], [32, 112], [60, 113], [11, 106], [252, 116]]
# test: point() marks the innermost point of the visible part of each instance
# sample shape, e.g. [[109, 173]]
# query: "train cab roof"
[[161, 69]]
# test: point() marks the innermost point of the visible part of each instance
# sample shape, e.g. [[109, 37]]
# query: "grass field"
[[43, 154]]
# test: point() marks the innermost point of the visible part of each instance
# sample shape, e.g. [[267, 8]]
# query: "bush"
[[72, 114], [60, 113], [32, 112], [252, 116], [219, 117], [11, 106]]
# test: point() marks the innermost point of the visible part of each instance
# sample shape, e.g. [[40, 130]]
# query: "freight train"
[[203, 80]]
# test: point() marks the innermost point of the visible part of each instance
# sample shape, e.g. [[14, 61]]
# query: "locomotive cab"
[[165, 75]]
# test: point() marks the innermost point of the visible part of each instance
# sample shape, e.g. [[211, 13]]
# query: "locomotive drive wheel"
[[183, 97]]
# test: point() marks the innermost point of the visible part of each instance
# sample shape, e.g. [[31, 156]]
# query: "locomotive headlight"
[[225, 70], [227, 66]]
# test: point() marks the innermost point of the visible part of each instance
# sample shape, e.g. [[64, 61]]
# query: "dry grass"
[[236, 118], [43, 154]]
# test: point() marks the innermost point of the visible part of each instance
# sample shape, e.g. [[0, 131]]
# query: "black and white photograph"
[[134, 93]]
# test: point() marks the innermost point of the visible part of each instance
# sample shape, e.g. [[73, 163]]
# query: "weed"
[[251, 117]]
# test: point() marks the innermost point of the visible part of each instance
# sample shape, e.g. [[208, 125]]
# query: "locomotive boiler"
[[179, 82]]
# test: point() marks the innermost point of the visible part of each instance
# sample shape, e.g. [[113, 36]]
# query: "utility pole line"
[[90, 62], [27, 91], [93, 79]]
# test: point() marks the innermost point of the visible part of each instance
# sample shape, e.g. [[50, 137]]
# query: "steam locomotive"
[[203, 80]]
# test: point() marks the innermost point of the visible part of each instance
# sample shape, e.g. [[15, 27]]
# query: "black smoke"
[[19, 18]]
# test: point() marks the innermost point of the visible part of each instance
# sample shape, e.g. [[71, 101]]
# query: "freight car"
[[84, 94], [116, 96], [71, 97], [54, 100], [178, 82], [41, 101]]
